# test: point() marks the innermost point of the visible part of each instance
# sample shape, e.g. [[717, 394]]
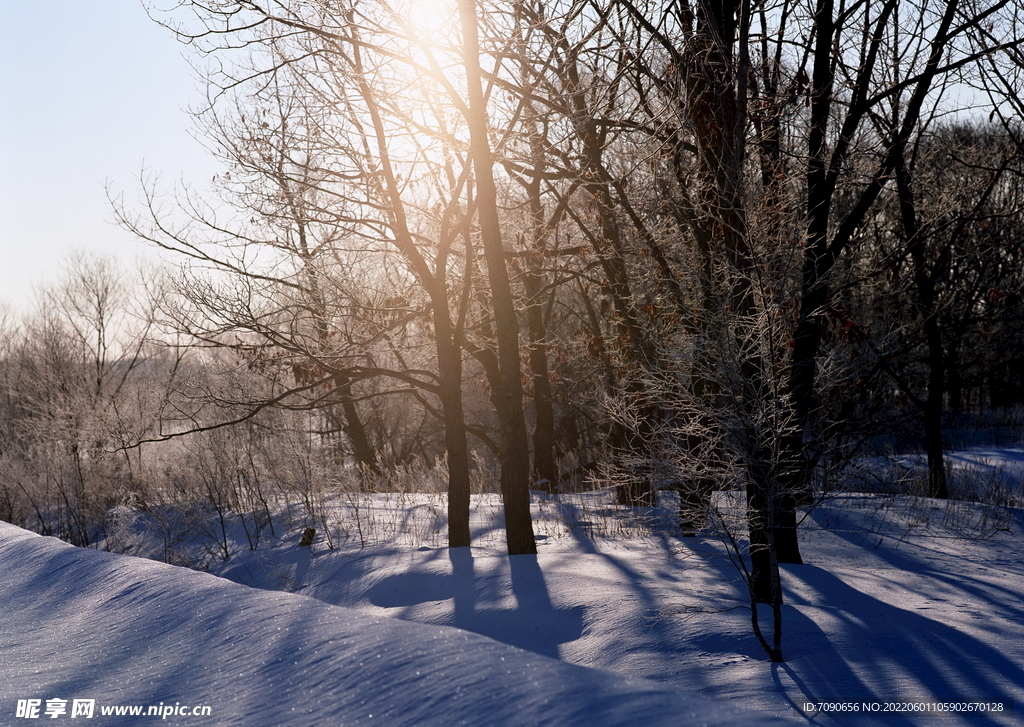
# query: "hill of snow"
[[123, 632], [900, 604], [904, 603]]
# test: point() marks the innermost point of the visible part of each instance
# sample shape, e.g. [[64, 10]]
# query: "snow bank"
[[125, 632]]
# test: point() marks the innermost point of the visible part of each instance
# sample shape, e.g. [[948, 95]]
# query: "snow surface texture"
[[81, 624], [901, 601]]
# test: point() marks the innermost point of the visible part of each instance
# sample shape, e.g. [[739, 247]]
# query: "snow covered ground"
[[904, 603], [890, 607], [83, 633]]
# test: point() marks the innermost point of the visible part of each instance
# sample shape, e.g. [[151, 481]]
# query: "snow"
[[902, 600], [879, 613], [81, 624]]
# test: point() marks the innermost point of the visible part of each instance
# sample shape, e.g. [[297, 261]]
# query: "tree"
[[868, 74], [395, 178], [955, 204], [714, 166], [507, 391], [81, 379]]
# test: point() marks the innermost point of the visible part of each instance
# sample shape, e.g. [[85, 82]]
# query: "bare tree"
[[400, 174], [956, 200], [82, 379]]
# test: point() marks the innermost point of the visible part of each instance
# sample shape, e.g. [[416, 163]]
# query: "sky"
[[90, 94]]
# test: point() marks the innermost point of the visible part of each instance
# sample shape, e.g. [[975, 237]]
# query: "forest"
[[665, 249]]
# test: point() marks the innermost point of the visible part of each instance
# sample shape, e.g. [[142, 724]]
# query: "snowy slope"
[[902, 600], [899, 602], [80, 624]]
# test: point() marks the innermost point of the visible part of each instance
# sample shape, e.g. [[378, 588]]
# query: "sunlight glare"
[[431, 20]]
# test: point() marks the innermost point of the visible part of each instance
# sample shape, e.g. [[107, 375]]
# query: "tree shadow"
[[877, 652], [535, 624]]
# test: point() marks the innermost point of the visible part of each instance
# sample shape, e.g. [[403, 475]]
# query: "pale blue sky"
[[90, 91]]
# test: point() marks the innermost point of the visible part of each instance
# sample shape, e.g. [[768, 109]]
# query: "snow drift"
[[85, 625]]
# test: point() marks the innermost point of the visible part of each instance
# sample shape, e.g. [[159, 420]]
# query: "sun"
[[432, 21]]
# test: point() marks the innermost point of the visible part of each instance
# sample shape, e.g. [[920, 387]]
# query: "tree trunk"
[[926, 308], [362, 450], [449, 347], [545, 470], [508, 396], [449, 365], [955, 381]]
